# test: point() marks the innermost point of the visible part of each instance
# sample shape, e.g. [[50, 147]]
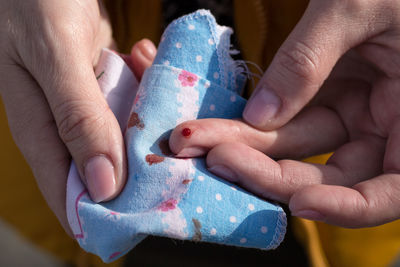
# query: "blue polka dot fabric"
[[193, 76]]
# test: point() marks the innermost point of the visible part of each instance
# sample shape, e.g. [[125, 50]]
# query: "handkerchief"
[[193, 76]]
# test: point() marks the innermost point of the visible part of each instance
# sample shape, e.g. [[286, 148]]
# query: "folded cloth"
[[192, 77]]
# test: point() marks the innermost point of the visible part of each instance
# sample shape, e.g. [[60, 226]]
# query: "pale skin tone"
[[48, 51], [55, 109], [334, 85]]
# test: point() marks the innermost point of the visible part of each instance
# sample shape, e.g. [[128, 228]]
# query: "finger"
[[142, 56], [85, 122], [279, 180], [303, 63], [369, 203], [262, 175], [35, 133], [315, 130]]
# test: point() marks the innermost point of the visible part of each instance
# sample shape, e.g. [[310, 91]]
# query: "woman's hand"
[[54, 105], [343, 60]]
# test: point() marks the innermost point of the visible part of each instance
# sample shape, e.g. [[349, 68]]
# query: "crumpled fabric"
[[193, 76]]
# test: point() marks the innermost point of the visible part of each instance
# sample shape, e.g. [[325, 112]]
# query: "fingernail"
[[262, 107], [148, 50], [309, 214], [100, 178], [223, 172], [190, 152]]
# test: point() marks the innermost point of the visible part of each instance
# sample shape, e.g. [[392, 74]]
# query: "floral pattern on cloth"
[[192, 77], [187, 79]]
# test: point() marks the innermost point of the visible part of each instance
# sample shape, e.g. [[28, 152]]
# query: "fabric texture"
[[22, 202], [193, 76]]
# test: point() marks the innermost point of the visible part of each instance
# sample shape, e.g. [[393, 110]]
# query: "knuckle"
[[364, 205], [290, 177], [237, 130], [301, 61], [77, 120], [349, 6]]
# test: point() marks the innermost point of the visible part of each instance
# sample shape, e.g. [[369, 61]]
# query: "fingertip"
[[240, 164], [262, 108], [142, 56], [222, 160], [175, 140], [182, 143], [146, 48], [331, 204], [100, 178], [218, 156], [219, 161]]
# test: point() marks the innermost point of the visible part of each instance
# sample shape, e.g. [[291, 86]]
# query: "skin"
[[342, 61], [55, 109], [332, 86]]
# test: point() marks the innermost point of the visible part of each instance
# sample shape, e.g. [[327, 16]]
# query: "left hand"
[[345, 60]]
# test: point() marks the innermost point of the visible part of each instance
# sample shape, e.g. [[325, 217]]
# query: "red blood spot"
[[186, 181], [186, 132], [134, 120], [154, 159], [164, 147]]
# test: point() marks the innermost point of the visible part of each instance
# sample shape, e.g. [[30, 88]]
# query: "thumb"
[[369, 203], [141, 57], [85, 123], [300, 67]]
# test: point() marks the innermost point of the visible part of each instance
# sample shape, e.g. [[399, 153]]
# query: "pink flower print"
[[170, 204], [187, 78]]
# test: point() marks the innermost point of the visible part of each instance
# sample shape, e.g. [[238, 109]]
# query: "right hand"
[[54, 105], [332, 86]]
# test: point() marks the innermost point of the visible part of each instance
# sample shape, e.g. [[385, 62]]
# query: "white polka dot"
[[178, 45], [210, 41], [218, 196], [243, 240], [233, 98], [207, 84], [199, 58], [212, 107], [199, 210], [201, 178], [264, 229], [233, 188], [213, 231], [216, 75], [191, 27], [166, 62], [232, 219], [250, 206]]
